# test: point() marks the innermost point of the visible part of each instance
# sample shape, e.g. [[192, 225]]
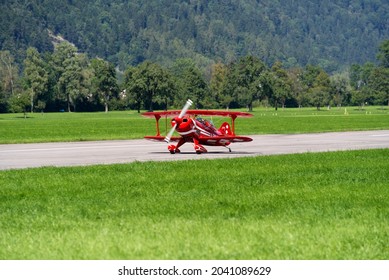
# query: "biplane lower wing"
[[224, 140], [162, 139], [211, 141]]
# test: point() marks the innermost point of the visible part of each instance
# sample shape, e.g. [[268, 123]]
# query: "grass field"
[[305, 206], [54, 127]]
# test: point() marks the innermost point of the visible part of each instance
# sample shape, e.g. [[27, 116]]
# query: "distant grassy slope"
[[305, 206], [52, 127]]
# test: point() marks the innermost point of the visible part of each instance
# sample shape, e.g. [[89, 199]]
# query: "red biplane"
[[192, 128]]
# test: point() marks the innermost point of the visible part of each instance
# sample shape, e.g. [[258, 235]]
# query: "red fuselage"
[[196, 128]]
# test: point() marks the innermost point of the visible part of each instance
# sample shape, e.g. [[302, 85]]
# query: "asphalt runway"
[[17, 156]]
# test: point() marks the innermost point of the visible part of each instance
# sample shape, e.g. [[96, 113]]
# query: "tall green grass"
[[50, 127], [304, 206]]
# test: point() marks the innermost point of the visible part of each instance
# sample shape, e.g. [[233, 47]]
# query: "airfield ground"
[[331, 205]]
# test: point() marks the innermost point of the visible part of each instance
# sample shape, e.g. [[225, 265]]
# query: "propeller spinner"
[[182, 113]]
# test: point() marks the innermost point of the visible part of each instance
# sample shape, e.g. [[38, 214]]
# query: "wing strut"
[[233, 117], [157, 117]]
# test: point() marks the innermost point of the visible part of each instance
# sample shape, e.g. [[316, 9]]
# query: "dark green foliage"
[[148, 84], [36, 76], [69, 81], [245, 81], [221, 54], [191, 84], [383, 55], [297, 32]]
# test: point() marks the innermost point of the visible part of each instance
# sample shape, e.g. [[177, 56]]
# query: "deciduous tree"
[[379, 83], [35, 75], [67, 72], [149, 83], [218, 84], [8, 72], [190, 84], [104, 81], [281, 85], [244, 80], [383, 54]]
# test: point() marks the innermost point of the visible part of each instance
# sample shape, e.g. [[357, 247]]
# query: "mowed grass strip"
[[64, 127], [54, 127], [305, 206]]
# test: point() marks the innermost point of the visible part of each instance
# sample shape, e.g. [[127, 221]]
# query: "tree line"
[[67, 80]]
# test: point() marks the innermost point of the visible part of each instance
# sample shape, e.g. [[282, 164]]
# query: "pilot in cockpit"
[[204, 121]]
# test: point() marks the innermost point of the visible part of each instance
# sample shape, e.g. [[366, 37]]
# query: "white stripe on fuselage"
[[195, 130]]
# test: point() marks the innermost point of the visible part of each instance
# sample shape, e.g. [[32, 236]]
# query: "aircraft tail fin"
[[225, 129]]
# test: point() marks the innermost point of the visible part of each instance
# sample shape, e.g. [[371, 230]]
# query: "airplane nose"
[[176, 121], [182, 123]]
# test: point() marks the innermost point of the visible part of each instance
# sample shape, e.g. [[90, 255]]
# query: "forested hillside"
[[332, 34]]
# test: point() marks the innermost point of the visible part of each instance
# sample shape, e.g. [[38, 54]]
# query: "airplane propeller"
[[182, 113]]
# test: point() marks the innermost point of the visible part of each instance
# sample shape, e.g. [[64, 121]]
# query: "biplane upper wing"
[[161, 114], [171, 113]]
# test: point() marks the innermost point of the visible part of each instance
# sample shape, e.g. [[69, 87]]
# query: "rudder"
[[225, 129]]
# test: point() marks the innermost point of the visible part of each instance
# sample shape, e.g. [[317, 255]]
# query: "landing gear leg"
[[198, 148], [175, 149]]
